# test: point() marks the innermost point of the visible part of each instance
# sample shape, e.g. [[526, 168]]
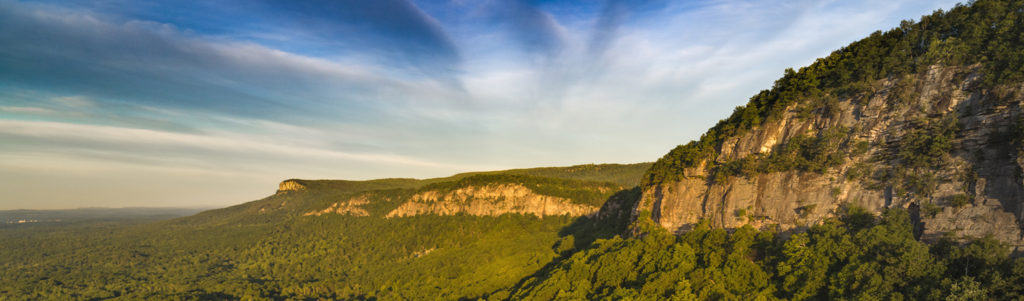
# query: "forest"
[[857, 256], [267, 250]]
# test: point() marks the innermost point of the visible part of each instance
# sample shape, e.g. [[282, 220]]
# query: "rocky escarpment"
[[932, 142], [290, 185], [492, 199], [480, 199], [352, 206]]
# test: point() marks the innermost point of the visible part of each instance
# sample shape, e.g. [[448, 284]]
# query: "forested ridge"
[[987, 33]]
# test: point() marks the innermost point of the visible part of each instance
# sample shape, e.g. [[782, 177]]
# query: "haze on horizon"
[[212, 103]]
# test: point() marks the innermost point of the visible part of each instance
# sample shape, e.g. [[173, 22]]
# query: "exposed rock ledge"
[[493, 199], [290, 185], [984, 165], [350, 207]]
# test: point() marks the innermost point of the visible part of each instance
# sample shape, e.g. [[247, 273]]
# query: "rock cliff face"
[[976, 191], [351, 206], [479, 200], [493, 199], [290, 185]]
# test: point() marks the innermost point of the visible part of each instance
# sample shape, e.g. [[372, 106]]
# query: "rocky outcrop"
[[290, 185], [351, 206], [978, 191], [492, 199]]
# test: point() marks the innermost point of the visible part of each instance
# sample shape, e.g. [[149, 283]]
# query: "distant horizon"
[[87, 208], [211, 207], [164, 104]]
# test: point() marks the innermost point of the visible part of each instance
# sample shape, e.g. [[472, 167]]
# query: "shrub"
[[959, 200], [930, 210]]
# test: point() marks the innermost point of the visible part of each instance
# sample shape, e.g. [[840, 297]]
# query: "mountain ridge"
[[923, 117], [587, 184]]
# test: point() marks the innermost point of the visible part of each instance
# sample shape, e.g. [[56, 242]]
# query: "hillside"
[[926, 117], [828, 185], [588, 185], [462, 236]]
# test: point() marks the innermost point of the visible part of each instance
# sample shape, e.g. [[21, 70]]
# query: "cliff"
[[290, 185], [493, 199], [353, 206], [477, 195], [934, 142]]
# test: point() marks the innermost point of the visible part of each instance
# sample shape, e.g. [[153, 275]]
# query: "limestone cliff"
[[973, 189], [491, 199]]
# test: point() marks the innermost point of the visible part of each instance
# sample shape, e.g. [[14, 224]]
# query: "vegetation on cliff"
[[577, 191], [985, 32], [911, 165], [803, 153]]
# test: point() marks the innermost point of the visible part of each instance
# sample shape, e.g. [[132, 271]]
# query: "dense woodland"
[[266, 249], [324, 257], [855, 257]]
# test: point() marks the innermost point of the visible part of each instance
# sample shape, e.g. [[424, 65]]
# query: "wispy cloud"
[[85, 54], [170, 144], [398, 29], [535, 30], [29, 110], [363, 89]]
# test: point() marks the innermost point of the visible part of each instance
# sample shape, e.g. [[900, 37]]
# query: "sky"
[[114, 103]]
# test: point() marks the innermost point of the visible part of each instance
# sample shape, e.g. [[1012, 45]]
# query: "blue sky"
[[211, 103]]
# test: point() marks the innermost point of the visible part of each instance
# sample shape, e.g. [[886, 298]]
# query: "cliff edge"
[[935, 143]]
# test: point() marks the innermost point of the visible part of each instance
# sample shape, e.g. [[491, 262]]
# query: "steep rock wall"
[[984, 165], [290, 185], [352, 206], [493, 199]]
